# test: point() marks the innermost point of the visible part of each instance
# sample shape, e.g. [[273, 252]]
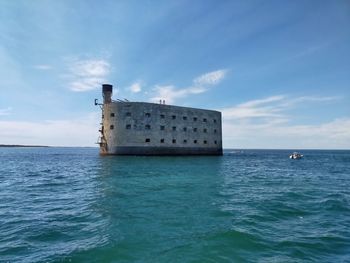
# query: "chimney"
[[107, 90]]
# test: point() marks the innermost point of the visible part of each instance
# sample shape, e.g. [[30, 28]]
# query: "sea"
[[73, 205]]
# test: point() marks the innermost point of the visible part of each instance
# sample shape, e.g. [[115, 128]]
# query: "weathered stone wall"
[[148, 128]]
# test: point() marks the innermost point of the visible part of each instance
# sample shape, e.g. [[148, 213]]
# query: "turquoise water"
[[71, 205]]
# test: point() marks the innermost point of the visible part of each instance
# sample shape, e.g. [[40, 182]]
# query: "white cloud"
[[200, 84], [271, 107], [6, 111], [170, 93], [43, 67], [330, 135], [255, 109], [136, 87], [210, 78], [307, 99], [73, 132], [87, 75], [266, 123], [253, 103]]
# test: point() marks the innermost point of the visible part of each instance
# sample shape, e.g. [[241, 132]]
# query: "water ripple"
[[71, 205]]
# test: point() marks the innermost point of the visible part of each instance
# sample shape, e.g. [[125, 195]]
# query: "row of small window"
[[184, 141], [162, 116], [162, 128]]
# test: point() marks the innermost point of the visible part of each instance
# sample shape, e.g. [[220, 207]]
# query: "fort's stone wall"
[[151, 129]]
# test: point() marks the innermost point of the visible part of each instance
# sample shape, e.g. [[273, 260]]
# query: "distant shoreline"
[[19, 145]]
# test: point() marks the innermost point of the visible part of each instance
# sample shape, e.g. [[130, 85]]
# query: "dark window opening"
[[103, 116], [185, 141], [184, 118], [173, 117], [147, 127], [148, 114], [174, 128], [204, 120], [185, 128], [215, 131], [195, 141], [161, 140], [215, 142], [194, 118], [162, 128], [162, 116], [148, 140], [128, 114], [205, 130], [214, 121], [111, 127], [174, 141], [195, 129], [205, 142], [128, 126], [112, 114]]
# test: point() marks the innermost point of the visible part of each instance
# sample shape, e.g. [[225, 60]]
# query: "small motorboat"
[[295, 155]]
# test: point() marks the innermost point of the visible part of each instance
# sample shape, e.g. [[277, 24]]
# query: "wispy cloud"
[[210, 78], [43, 67], [328, 135], [6, 111], [199, 85], [136, 87], [267, 107], [271, 107], [271, 121], [88, 74], [317, 98], [170, 93]]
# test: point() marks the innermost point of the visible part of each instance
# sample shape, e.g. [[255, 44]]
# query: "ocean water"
[[72, 205]]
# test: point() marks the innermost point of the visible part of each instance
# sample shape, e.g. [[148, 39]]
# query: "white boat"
[[296, 155]]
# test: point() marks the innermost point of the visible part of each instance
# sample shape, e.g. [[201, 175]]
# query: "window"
[[147, 127], [214, 120], [185, 141], [184, 118], [205, 142], [111, 127], [147, 114], [216, 142], [185, 128], [112, 114], [204, 120], [128, 114], [148, 140], [162, 127], [205, 130], [174, 140], [174, 128], [195, 129], [194, 118], [162, 116], [215, 131], [195, 141], [128, 126], [103, 116], [161, 140], [173, 117]]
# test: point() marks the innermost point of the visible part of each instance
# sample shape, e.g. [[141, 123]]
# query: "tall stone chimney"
[[107, 90]]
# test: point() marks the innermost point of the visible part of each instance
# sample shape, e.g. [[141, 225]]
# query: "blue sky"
[[278, 70]]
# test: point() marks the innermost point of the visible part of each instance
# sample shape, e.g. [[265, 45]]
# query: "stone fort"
[[140, 128]]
